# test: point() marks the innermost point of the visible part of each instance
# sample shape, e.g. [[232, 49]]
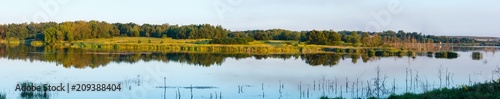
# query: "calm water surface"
[[239, 76]]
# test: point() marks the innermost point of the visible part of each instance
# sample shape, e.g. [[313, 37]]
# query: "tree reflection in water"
[[84, 58]]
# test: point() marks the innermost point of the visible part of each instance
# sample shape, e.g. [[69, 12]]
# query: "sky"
[[435, 17]]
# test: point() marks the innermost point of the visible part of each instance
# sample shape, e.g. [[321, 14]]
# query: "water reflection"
[[477, 56], [82, 58], [241, 78], [321, 59]]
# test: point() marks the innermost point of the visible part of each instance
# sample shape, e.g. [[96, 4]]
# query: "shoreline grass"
[[199, 45], [487, 90], [149, 44]]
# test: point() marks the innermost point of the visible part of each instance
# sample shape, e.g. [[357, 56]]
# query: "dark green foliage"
[[441, 54], [272, 34], [51, 35], [196, 32], [430, 53], [452, 54], [449, 55], [317, 37], [322, 59], [419, 37], [355, 39], [324, 97], [477, 56], [384, 53], [371, 53]]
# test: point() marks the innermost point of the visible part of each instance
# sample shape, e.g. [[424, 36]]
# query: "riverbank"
[[488, 90], [144, 44], [148, 44]]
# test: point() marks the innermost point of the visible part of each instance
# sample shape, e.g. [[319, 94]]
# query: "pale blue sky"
[[437, 17]]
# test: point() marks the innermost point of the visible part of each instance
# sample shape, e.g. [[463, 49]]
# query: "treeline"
[[355, 38], [51, 32]]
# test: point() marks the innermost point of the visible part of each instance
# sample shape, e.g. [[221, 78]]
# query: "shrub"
[[430, 53], [449, 55], [488, 90], [371, 53]]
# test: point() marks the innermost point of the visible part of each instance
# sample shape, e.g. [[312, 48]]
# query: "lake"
[[151, 75]]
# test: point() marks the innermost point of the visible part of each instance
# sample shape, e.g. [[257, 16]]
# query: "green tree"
[[51, 34], [365, 39], [336, 38], [376, 40], [2, 31], [317, 37], [135, 31], [67, 29], [355, 39]]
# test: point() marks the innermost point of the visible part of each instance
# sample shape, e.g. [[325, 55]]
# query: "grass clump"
[[489, 90]]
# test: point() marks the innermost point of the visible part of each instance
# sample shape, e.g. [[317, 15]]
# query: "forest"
[[52, 32]]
